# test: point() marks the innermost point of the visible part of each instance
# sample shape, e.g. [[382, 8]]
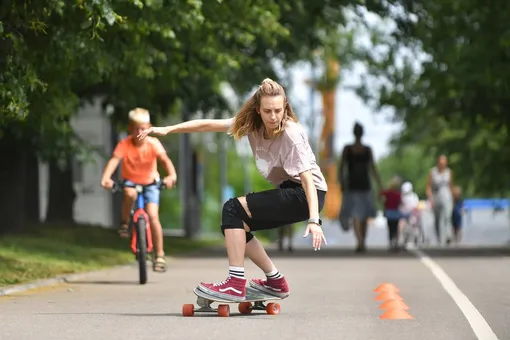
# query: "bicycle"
[[141, 236]]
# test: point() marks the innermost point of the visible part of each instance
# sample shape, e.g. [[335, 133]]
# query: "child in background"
[[410, 223], [286, 232], [410, 200], [457, 213], [139, 166], [392, 200]]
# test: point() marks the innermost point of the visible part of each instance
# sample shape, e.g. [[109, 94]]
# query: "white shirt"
[[410, 201]]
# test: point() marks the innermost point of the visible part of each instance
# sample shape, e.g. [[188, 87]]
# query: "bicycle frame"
[[137, 213]]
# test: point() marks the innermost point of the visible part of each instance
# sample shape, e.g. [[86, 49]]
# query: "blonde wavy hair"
[[248, 120], [139, 116]]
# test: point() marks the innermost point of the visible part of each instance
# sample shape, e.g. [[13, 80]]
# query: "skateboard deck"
[[255, 300]]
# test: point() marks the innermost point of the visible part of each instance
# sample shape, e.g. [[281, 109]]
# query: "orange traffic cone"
[[385, 296], [394, 304], [385, 287], [396, 314]]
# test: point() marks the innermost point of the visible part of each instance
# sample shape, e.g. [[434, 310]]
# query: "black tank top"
[[358, 169]]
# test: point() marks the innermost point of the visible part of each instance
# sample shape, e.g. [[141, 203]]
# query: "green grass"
[[48, 251]]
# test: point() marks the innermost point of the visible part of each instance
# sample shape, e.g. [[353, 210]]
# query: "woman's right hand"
[[431, 202]]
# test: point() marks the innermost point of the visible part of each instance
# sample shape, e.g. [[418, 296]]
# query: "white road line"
[[477, 322]]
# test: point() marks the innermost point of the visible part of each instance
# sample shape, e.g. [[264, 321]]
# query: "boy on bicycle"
[[139, 166]]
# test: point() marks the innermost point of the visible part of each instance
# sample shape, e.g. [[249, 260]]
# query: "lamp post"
[[243, 149], [190, 208], [312, 119]]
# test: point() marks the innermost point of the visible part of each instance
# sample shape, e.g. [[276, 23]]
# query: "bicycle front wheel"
[[141, 249]]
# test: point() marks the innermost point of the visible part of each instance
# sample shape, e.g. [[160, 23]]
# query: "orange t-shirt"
[[139, 163]]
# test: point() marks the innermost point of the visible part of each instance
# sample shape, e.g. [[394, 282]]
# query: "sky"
[[378, 129], [349, 109]]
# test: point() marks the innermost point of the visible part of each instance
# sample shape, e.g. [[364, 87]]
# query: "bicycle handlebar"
[[119, 185]]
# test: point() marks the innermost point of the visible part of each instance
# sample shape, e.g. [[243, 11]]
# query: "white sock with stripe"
[[236, 271], [274, 274]]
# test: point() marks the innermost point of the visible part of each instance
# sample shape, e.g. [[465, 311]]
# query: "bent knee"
[[130, 194], [236, 207], [244, 204], [233, 215], [153, 217]]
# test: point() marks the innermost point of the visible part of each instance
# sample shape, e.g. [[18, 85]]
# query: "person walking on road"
[[458, 211], [358, 201], [284, 157], [439, 192], [286, 233], [392, 202]]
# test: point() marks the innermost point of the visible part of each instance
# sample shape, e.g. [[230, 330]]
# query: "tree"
[[410, 163], [40, 45], [55, 55], [444, 71]]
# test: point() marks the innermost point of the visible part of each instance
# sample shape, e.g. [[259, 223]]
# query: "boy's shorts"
[[405, 215], [151, 192], [456, 221]]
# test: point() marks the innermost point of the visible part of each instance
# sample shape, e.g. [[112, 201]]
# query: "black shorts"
[[280, 207]]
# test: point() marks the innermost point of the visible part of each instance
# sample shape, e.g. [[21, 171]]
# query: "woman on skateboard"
[[284, 157]]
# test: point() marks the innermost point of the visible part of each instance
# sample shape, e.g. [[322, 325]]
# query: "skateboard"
[[255, 300]]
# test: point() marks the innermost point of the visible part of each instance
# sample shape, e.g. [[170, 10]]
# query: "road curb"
[[15, 289]]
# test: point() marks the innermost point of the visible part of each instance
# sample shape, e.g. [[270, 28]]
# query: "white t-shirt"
[[410, 201], [285, 157]]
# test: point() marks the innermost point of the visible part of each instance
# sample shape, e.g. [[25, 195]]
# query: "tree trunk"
[[116, 198], [32, 210], [12, 181], [61, 194]]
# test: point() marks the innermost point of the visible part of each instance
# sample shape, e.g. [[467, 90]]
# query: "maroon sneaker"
[[277, 287], [232, 289]]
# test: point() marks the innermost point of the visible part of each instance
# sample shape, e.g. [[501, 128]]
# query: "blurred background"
[[423, 78]]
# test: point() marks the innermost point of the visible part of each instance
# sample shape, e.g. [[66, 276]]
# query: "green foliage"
[[235, 178], [411, 163], [165, 56], [444, 72], [169, 57], [41, 44]]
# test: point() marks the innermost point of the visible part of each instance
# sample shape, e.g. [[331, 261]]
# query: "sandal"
[[159, 264], [124, 230]]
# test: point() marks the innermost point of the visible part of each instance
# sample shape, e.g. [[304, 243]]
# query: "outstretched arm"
[[451, 182], [428, 186], [196, 125]]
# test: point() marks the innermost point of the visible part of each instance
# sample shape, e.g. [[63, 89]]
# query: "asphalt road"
[[482, 228], [452, 294]]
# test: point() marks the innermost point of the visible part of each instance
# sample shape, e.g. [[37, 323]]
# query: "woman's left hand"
[[317, 235], [158, 131]]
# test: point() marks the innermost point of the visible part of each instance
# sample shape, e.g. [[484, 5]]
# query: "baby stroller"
[[411, 223], [412, 228]]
